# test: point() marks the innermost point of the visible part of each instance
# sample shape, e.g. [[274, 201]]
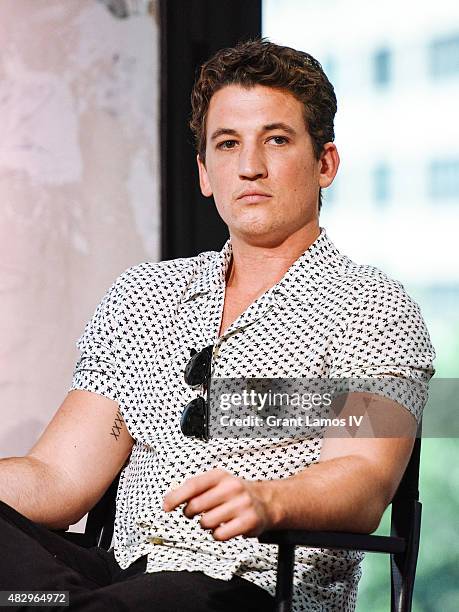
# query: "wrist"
[[270, 498]]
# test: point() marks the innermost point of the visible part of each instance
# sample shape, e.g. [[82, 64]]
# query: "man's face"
[[260, 165]]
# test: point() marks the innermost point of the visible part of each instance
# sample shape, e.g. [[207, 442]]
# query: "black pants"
[[34, 558]]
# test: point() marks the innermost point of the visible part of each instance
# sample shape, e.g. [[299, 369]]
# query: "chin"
[[257, 225], [260, 235]]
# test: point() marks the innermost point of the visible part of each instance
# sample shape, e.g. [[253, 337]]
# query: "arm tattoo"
[[117, 425]]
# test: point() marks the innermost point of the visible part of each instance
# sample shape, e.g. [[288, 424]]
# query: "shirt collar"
[[213, 275], [311, 265], [318, 260]]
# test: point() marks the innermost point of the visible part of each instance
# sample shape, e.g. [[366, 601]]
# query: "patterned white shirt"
[[327, 317]]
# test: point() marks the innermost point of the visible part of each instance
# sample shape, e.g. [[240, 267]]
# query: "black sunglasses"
[[194, 421]]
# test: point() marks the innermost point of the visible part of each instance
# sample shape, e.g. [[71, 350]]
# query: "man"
[[279, 301]]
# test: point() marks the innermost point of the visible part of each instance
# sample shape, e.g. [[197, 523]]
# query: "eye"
[[227, 144], [279, 140]]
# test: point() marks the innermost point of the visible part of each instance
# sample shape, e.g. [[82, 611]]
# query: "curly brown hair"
[[260, 62]]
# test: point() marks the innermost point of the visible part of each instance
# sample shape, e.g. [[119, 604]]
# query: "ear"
[[328, 164], [204, 183]]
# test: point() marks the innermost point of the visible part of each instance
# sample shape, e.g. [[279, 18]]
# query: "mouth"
[[253, 197]]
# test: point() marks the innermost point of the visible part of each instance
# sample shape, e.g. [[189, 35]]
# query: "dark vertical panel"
[[191, 30]]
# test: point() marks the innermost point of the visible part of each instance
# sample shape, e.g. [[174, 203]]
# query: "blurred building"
[[395, 202]]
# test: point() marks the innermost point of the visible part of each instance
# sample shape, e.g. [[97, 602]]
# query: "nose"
[[252, 164]]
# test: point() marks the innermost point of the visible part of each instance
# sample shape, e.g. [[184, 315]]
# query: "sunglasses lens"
[[197, 369], [192, 421]]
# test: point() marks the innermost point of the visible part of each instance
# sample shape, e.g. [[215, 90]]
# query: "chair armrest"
[[335, 539]]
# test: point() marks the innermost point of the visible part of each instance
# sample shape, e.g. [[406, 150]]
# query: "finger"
[[240, 525], [222, 514], [191, 488], [226, 490]]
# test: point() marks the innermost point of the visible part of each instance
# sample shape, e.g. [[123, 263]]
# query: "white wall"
[[79, 187]]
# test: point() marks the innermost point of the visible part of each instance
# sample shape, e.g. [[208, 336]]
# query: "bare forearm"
[[28, 485], [334, 495]]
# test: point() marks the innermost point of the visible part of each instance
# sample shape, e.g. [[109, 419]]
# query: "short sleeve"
[[96, 369], [386, 338]]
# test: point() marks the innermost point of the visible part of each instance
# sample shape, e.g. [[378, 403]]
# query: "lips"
[[253, 196]]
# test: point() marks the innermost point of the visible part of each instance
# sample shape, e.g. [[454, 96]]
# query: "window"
[[444, 179], [382, 182], [382, 67], [444, 56]]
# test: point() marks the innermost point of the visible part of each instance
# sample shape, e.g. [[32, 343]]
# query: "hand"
[[230, 506]]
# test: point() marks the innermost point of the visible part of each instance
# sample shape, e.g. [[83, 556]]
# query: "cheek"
[[219, 178], [307, 171], [299, 176]]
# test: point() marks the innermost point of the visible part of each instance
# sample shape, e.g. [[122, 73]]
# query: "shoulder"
[[379, 307], [384, 328], [163, 280], [368, 287]]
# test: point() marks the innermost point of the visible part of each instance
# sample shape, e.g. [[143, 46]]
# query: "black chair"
[[402, 544], [100, 522]]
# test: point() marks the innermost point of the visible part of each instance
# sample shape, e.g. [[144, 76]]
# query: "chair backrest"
[[406, 499], [406, 523], [408, 488], [101, 519]]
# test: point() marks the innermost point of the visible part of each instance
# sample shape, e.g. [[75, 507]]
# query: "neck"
[[256, 268]]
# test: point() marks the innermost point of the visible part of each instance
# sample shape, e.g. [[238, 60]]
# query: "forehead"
[[237, 107]]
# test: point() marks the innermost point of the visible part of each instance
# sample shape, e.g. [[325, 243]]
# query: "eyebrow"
[[266, 128], [279, 126], [223, 132]]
